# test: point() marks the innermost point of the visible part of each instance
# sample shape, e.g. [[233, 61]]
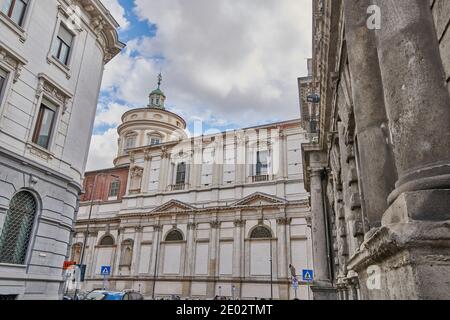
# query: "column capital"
[[284, 221], [192, 225], [215, 224], [157, 227], [239, 223]]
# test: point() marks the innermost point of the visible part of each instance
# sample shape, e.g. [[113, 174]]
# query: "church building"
[[197, 217]]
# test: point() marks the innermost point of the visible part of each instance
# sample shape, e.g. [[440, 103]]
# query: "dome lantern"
[[157, 97]]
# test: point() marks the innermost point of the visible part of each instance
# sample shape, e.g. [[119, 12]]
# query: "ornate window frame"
[[48, 89], [12, 63], [63, 18], [21, 31]]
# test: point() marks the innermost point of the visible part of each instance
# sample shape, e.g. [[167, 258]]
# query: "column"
[[164, 172], [375, 154], [136, 251], [116, 269], [215, 226], [189, 259], [319, 238], [282, 248], [155, 255], [417, 100], [237, 249], [90, 254]]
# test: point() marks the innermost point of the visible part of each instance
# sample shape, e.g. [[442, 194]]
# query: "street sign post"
[[105, 271], [308, 277], [295, 286]]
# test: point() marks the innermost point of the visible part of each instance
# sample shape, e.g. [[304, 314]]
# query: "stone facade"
[[201, 216], [42, 163], [379, 174]]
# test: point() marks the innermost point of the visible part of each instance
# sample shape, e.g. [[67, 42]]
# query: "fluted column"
[[136, 251], [377, 169], [417, 100], [319, 238]]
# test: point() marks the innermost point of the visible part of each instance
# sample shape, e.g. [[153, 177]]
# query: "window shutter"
[[65, 35]]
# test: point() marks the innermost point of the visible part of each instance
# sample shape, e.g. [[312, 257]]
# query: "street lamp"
[[92, 195]]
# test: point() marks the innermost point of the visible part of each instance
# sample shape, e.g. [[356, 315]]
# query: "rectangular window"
[[114, 189], [15, 10], [63, 45], [181, 173], [130, 142], [3, 76], [44, 124], [262, 163], [155, 141]]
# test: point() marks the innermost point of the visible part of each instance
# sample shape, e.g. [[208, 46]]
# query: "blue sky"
[[229, 64]]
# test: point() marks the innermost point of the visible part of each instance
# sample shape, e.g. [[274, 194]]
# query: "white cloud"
[[103, 150], [117, 11], [225, 62]]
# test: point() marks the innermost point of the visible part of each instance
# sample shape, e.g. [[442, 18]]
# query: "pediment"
[[259, 198], [174, 206]]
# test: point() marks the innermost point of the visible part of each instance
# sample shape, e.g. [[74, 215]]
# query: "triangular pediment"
[[174, 206], [259, 198]]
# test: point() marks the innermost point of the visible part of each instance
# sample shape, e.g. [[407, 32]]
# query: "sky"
[[227, 63]]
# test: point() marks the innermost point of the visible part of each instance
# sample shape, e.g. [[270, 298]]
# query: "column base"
[[407, 258], [324, 291]]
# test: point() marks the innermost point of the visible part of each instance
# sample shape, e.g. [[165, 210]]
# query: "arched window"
[[17, 229], [174, 235], [76, 252], [261, 232], [107, 241], [126, 256]]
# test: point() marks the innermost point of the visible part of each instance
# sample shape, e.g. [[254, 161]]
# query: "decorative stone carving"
[[157, 227], [239, 223], [136, 174], [215, 224], [12, 60], [54, 91], [284, 221], [192, 225]]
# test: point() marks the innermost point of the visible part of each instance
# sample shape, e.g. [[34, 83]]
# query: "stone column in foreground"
[[377, 168], [407, 258], [322, 288]]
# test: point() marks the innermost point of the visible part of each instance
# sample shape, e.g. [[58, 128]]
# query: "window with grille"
[[15, 10], [17, 229], [261, 233], [107, 241], [63, 45], [174, 235], [181, 173], [114, 189]]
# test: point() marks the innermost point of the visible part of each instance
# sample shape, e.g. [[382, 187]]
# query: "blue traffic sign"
[[105, 270], [308, 275]]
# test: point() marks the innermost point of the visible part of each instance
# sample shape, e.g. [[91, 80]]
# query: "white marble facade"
[[211, 230], [48, 99]]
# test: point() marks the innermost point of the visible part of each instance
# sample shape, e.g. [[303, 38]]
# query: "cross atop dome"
[[157, 97]]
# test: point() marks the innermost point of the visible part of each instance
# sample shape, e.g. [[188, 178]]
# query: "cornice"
[[103, 25]]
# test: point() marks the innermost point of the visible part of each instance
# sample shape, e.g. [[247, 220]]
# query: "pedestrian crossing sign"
[[105, 270], [308, 275]]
